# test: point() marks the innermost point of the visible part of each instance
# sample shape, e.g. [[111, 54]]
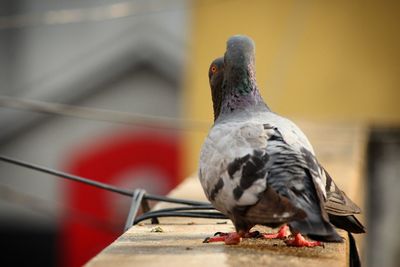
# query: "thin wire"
[[37, 204], [167, 212], [108, 187], [136, 119], [76, 178], [92, 14], [102, 114], [40, 205]]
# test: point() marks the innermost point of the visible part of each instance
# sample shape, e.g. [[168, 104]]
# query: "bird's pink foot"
[[228, 238], [300, 241], [281, 234]]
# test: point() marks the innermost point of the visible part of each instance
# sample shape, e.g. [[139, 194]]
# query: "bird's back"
[[245, 154]]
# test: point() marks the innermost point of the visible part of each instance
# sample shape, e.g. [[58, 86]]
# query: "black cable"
[[208, 207], [76, 178], [188, 214], [209, 215], [108, 187], [182, 211], [175, 200], [167, 212]]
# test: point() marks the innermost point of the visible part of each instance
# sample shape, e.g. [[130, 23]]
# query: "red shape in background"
[[103, 161]]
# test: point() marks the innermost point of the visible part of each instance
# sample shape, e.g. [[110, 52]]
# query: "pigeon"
[[259, 168]]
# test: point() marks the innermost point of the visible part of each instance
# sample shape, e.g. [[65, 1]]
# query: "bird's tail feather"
[[348, 223]]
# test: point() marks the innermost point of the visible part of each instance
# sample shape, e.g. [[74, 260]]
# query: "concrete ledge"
[[179, 240]]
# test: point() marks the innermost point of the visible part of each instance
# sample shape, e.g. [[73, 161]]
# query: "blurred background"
[[319, 61]]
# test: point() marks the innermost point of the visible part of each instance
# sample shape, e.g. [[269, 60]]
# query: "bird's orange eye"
[[213, 69]]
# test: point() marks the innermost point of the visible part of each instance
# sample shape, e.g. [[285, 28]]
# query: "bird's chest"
[[223, 146]]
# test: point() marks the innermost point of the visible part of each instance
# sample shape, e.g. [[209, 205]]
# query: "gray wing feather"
[[338, 203], [291, 175]]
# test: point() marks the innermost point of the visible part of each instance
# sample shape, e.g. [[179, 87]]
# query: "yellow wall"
[[315, 59]]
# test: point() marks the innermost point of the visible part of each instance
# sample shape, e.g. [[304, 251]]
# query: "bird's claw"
[[220, 234], [228, 238], [254, 234], [300, 241], [206, 240]]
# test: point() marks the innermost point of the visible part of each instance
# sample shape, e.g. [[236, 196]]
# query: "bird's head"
[[216, 77], [232, 78], [239, 63]]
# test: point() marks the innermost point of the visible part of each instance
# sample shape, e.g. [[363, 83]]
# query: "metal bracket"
[[138, 201]]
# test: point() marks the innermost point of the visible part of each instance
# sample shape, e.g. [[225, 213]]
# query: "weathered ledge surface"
[[340, 148]]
